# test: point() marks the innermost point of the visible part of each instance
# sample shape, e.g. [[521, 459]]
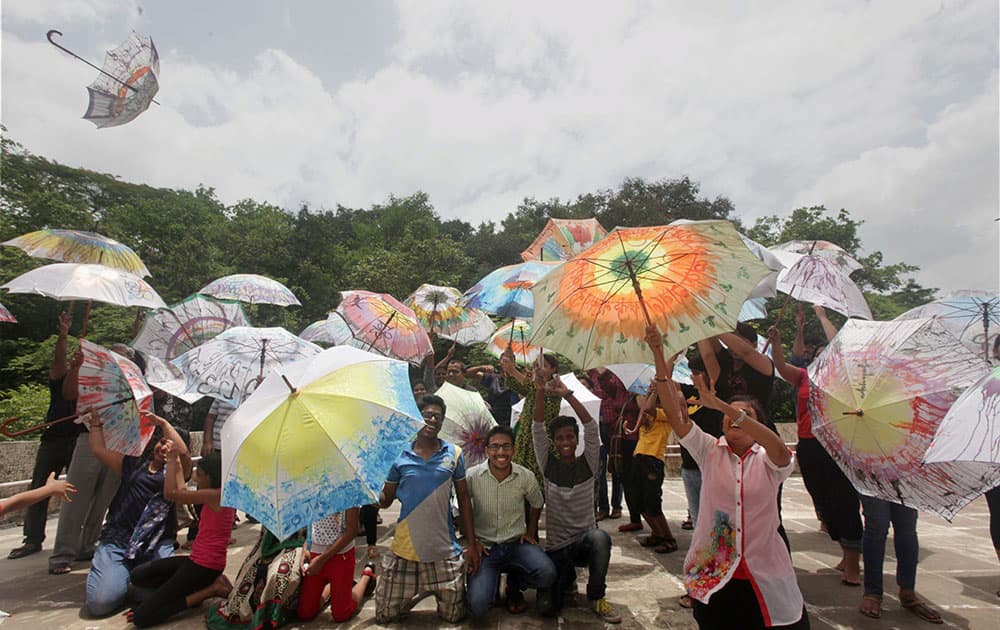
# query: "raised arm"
[[708, 349], [665, 388], [828, 328], [788, 372], [169, 432], [744, 350], [557, 387], [58, 368], [510, 369], [799, 344], [776, 450], [100, 450], [175, 488], [71, 384]]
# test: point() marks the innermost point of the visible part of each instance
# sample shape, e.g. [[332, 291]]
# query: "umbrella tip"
[[290, 387]]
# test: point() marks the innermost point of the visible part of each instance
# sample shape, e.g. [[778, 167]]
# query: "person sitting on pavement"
[[180, 582], [426, 557], [141, 524], [330, 565], [572, 537], [499, 488], [737, 569]]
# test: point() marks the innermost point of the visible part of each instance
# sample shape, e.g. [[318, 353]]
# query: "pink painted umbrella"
[[385, 325]]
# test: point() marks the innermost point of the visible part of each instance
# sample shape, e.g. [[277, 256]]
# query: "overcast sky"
[[889, 108]]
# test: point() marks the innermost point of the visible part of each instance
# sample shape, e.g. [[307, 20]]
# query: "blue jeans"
[[529, 562], [592, 550], [878, 514], [692, 490], [107, 582]]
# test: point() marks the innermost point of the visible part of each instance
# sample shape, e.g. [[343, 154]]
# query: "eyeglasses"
[[506, 446], [431, 415]]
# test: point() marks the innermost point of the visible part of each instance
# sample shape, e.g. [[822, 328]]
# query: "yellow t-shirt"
[[653, 439]]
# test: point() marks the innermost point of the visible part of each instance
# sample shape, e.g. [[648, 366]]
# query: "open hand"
[[60, 487], [556, 387]]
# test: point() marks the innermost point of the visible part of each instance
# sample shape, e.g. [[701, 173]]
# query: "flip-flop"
[[60, 569], [652, 541], [24, 550], [921, 609], [669, 545], [871, 614]]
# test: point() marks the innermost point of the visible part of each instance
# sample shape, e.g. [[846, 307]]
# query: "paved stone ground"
[[959, 573]]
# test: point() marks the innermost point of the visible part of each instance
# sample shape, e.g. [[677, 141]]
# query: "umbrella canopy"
[[820, 249], [467, 421], [753, 308], [384, 324], [970, 432], [228, 366], [561, 239], [972, 316], [638, 376], [73, 281], [250, 288], [478, 328], [690, 279], [516, 335], [300, 455], [127, 83], [7, 316], [438, 308], [507, 291], [590, 402], [169, 378], [106, 378], [822, 280], [170, 332], [332, 331], [76, 246], [768, 287], [879, 393]]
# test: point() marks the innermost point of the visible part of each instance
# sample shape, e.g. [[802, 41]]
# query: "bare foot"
[[223, 587], [840, 565], [871, 606]]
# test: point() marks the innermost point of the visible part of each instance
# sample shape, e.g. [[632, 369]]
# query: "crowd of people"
[[123, 513]]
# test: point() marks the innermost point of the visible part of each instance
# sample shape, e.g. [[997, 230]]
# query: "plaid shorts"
[[404, 582]]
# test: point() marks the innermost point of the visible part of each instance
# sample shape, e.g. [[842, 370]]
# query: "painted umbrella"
[[438, 309], [332, 331], [477, 329], [689, 279], [878, 395], [170, 332], [317, 437], [507, 291], [561, 239], [169, 378], [73, 281], [115, 387], [970, 432], [76, 246], [7, 316], [228, 366], [251, 288], [385, 325], [516, 335], [821, 249], [821, 280], [466, 422], [972, 316]]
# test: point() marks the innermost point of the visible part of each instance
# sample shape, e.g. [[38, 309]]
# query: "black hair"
[[418, 382], [431, 399], [211, 465], [458, 361], [761, 415], [747, 331], [551, 360], [585, 379], [561, 422], [696, 363], [500, 430]]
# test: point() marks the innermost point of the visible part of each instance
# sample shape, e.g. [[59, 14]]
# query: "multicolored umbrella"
[[7, 316], [332, 331], [227, 366], [384, 324], [516, 335], [821, 280], [115, 387], [317, 437], [507, 291], [127, 83], [561, 239], [972, 316], [477, 329], [467, 421], [970, 432], [438, 308], [250, 288], [690, 279], [170, 332], [73, 281], [75, 246], [879, 393]]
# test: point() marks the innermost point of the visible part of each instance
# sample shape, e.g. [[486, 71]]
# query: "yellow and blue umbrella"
[[317, 437]]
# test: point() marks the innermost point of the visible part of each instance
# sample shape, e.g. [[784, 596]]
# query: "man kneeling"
[[499, 489]]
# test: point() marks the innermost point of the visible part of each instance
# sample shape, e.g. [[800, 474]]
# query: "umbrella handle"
[[9, 421], [76, 56]]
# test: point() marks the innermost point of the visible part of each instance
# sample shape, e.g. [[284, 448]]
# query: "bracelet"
[[738, 420], [661, 380]]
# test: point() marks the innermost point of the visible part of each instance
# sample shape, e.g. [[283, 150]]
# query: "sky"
[[889, 109]]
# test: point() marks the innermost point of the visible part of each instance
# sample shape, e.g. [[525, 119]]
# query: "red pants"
[[338, 572]]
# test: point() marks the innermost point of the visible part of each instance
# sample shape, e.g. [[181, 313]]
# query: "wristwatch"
[[738, 420]]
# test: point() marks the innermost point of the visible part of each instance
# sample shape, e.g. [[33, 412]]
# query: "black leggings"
[[993, 503], [174, 579], [735, 605], [835, 498]]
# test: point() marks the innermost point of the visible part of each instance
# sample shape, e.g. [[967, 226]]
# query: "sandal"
[[687, 524], [24, 550], [922, 610], [651, 541], [60, 569], [686, 602], [668, 545], [874, 612], [615, 514], [630, 527]]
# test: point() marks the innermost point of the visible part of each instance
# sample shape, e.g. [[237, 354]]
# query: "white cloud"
[[483, 104], [49, 12]]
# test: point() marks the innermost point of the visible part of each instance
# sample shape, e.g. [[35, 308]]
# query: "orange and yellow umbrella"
[[689, 279]]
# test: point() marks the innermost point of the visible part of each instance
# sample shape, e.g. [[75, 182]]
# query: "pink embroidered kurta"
[[738, 521]]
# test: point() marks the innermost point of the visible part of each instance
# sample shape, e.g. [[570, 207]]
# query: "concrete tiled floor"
[[959, 573]]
